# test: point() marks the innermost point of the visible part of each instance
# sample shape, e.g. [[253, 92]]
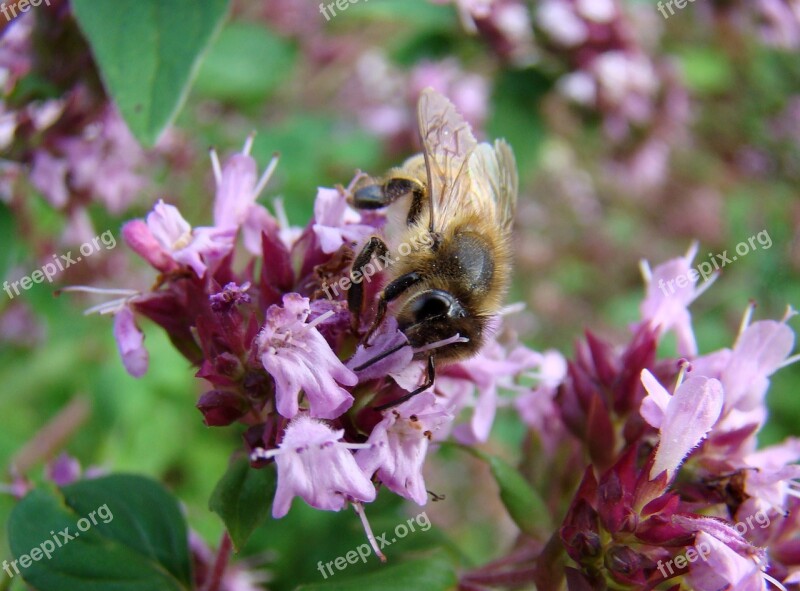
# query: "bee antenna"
[[380, 357]]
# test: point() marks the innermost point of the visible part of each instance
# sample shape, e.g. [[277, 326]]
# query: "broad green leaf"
[[523, 503], [147, 52], [120, 533], [521, 500], [245, 64], [243, 498], [435, 573]]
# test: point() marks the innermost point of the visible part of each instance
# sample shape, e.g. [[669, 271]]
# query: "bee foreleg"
[[429, 378], [391, 292], [378, 196], [355, 297]]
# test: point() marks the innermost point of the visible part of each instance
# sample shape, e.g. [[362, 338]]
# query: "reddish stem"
[[220, 563]]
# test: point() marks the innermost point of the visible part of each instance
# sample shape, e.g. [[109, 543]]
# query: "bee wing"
[[447, 144], [493, 170]]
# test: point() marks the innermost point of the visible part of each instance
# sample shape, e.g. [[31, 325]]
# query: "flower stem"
[[220, 563]]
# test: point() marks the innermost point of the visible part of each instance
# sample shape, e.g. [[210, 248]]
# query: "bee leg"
[[391, 292], [378, 196], [429, 378], [355, 297]]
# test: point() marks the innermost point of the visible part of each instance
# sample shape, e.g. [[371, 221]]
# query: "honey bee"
[[456, 199]]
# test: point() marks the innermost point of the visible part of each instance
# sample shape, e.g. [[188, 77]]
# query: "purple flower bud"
[[140, 239], [221, 408], [130, 342]]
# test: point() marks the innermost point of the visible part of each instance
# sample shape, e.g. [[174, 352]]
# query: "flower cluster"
[[675, 491], [58, 131], [286, 361]]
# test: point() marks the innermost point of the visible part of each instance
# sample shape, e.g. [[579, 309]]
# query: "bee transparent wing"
[[447, 144], [494, 173]]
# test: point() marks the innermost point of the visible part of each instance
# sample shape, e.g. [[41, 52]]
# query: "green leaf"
[[435, 573], [127, 533], [523, 503], [706, 71], [245, 64], [516, 113], [147, 52], [242, 498]]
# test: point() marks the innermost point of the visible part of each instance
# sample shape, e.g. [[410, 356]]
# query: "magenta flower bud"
[[140, 239], [130, 342], [221, 408]]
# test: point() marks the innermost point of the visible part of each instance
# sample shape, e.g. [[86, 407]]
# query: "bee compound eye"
[[433, 304]]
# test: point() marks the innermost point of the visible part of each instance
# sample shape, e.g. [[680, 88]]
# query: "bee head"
[[435, 315]]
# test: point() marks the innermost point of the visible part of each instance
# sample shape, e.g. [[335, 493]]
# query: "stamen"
[[215, 166], [354, 445], [456, 338], [685, 367], [248, 143], [512, 309], [318, 320], [368, 530], [262, 182], [646, 271], [790, 360], [280, 212], [790, 313], [746, 317], [100, 290], [111, 307], [260, 453], [706, 285], [692, 251], [772, 580]]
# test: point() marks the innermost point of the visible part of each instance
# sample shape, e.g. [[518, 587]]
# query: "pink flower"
[[723, 568], [770, 474], [390, 342], [130, 342], [335, 222], [683, 419], [760, 350], [49, 176], [194, 248], [237, 186], [399, 443], [670, 290], [296, 355], [315, 465]]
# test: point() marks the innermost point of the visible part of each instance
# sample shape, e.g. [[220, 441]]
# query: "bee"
[[455, 202]]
